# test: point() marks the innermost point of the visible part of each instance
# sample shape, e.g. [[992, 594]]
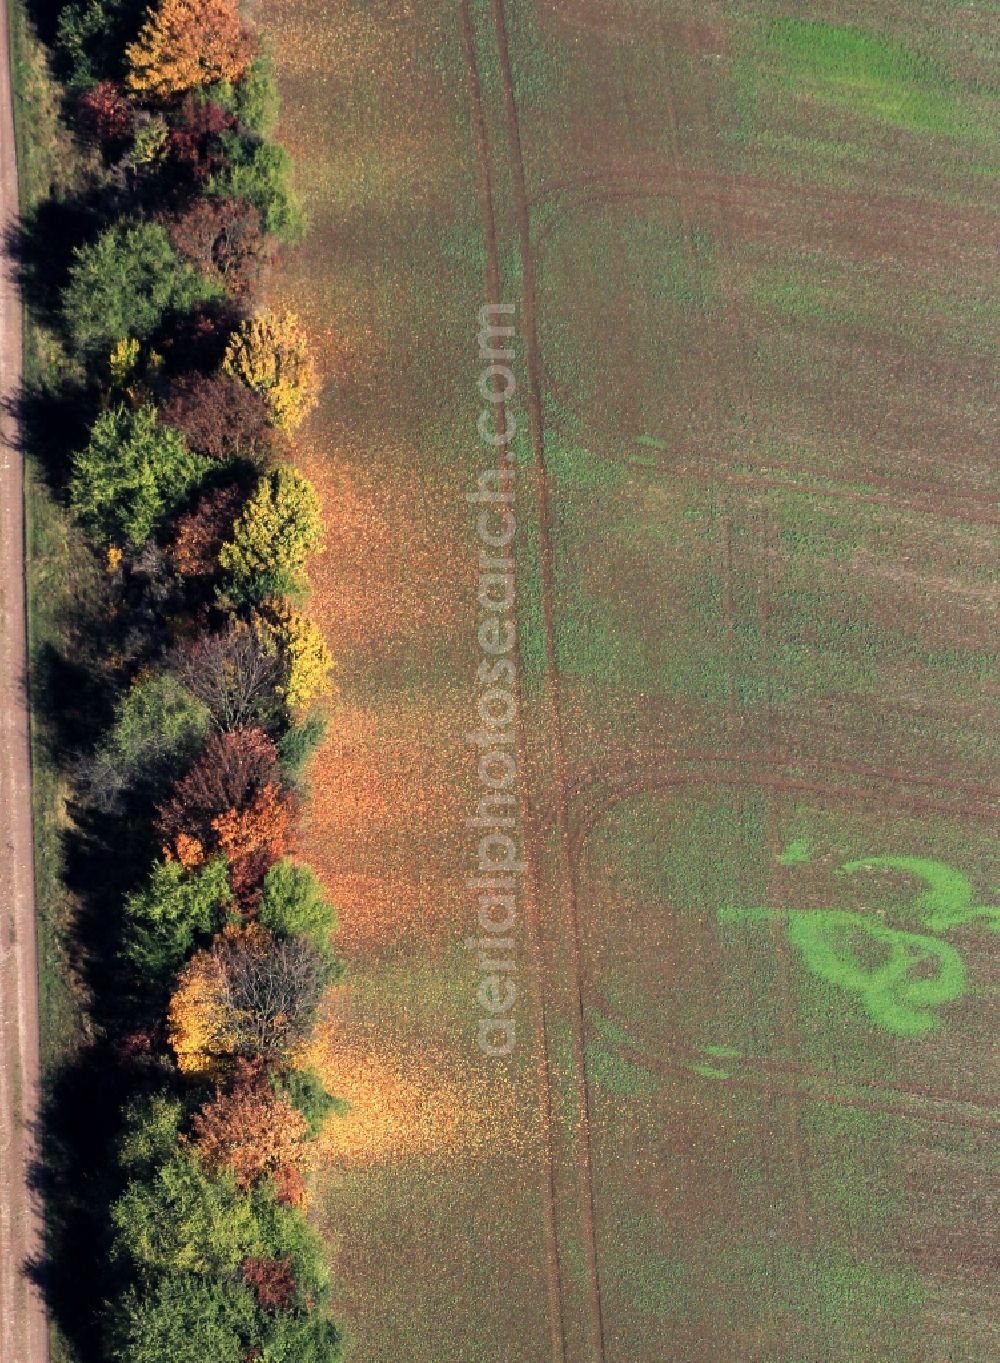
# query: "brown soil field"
[[752, 1109]]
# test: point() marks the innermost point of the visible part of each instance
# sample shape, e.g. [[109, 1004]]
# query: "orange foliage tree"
[[249, 1128], [253, 839], [185, 44], [230, 802]]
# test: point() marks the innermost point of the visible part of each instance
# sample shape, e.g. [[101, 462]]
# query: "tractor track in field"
[[714, 471], [555, 728], [931, 229], [774, 1064], [591, 776], [682, 1068], [556, 741], [776, 774], [493, 294]]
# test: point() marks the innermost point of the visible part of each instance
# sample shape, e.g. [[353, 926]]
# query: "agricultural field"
[[751, 1112]]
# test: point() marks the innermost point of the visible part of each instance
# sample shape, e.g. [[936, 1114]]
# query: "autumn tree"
[[279, 527], [234, 675], [253, 838], [298, 642], [272, 1281], [249, 1129], [198, 1019], [270, 354], [124, 283], [230, 802], [187, 44], [105, 114], [194, 149], [219, 417], [131, 475], [250, 996], [201, 532], [221, 237], [272, 991], [198, 338], [232, 768]]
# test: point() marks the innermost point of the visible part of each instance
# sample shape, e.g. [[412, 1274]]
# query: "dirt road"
[[23, 1328]]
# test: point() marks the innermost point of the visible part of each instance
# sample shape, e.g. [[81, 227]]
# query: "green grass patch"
[[868, 74]]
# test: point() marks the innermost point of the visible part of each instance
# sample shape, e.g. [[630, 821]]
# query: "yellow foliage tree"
[[299, 642], [185, 44], [197, 1019], [279, 527], [270, 354]]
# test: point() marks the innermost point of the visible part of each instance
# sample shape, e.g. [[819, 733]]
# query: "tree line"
[[180, 394]]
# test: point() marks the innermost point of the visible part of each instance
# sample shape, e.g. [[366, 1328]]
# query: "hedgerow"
[[217, 944]]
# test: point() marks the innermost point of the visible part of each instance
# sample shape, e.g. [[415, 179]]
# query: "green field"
[[752, 1110]]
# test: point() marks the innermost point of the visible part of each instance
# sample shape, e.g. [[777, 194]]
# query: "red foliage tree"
[[202, 532], [232, 769], [222, 236], [198, 340], [219, 417], [290, 1186], [193, 142], [273, 1282], [106, 115]]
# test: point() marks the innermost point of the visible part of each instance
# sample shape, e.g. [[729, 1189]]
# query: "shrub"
[[270, 354], [193, 144], [293, 904], [298, 744], [306, 660], [256, 170], [277, 530], [253, 99], [124, 284], [307, 1095], [132, 474]]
